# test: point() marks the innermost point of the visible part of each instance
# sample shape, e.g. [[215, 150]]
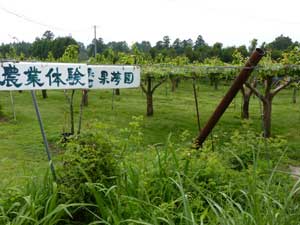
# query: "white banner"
[[39, 75], [110, 76], [42, 75]]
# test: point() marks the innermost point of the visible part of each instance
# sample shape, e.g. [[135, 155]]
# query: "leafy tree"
[[213, 75], [101, 47], [253, 45], [120, 46], [60, 44], [111, 56], [71, 54], [126, 59], [48, 35], [226, 54], [175, 78], [177, 45], [166, 42], [12, 54], [239, 60], [140, 57], [144, 46], [159, 45], [279, 45], [201, 53], [41, 47], [5, 49], [292, 58], [22, 47], [199, 43], [149, 89], [216, 50], [187, 43], [83, 54], [153, 53], [275, 78], [50, 57], [243, 50]]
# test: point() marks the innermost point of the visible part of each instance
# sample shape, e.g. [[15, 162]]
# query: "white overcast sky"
[[232, 22]]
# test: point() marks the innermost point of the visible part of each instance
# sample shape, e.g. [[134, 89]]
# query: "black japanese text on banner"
[[110, 76], [42, 75], [39, 75]]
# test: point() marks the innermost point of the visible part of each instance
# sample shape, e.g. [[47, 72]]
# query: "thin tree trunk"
[[211, 80], [177, 81], [149, 90], [173, 80], [149, 104], [85, 97], [149, 97], [267, 100], [216, 83], [245, 107], [267, 112], [44, 93], [295, 95], [246, 93]]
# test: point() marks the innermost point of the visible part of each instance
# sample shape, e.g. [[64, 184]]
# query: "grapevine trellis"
[[267, 80]]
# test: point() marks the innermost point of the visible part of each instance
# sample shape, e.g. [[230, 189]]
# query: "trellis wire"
[[228, 71], [276, 66]]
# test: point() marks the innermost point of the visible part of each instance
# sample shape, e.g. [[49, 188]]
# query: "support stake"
[[113, 100], [43, 134], [13, 105], [231, 93], [196, 104]]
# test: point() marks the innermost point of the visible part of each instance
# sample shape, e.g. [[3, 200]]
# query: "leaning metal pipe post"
[[236, 86], [43, 134]]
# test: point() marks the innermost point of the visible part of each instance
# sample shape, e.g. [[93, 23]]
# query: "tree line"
[[49, 46]]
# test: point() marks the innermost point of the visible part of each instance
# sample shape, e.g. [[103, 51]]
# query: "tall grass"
[[36, 203], [176, 196], [167, 184]]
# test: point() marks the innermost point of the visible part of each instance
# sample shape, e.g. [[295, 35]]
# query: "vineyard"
[[130, 156]]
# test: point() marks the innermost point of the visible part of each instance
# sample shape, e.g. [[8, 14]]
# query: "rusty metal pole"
[[236, 86]]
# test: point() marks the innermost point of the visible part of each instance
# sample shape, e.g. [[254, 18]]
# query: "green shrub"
[[93, 156], [170, 183], [245, 146], [132, 135]]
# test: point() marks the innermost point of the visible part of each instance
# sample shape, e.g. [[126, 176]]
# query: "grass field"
[[22, 152]]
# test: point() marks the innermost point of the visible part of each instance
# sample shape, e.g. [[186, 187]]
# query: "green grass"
[[22, 152]]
